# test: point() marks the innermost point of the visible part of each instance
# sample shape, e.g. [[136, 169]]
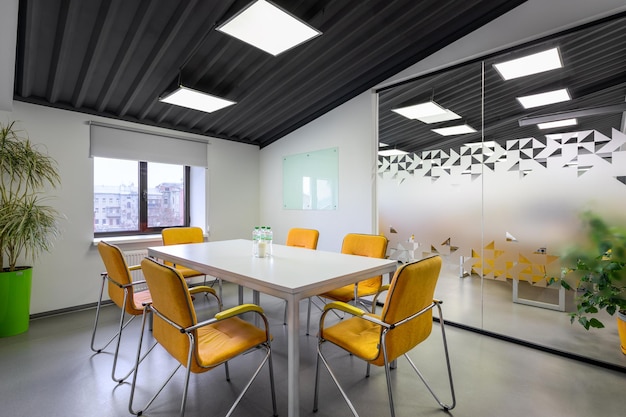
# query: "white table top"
[[289, 272]]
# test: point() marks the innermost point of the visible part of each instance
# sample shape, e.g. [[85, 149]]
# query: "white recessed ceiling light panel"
[[542, 99], [557, 123], [428, 112], [391, 152], [194, 99], [455, 130], [268, 27], [530, 64]]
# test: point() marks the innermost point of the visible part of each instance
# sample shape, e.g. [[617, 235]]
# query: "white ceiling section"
[[8, 39]]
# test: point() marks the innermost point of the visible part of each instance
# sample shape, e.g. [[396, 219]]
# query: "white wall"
[[69, 276], [349, 128]]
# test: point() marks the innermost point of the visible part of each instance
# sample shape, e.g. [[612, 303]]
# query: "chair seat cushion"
[[346, 294], [358, 336], [188, 272], [139, 298], [226, 339]]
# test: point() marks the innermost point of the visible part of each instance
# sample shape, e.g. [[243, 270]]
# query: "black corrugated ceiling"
[[114, 58]]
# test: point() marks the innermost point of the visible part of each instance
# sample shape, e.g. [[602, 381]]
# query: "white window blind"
[[126, 143]]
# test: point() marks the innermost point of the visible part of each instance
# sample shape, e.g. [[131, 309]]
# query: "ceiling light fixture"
[[557, 123], [429, 112], [268, 27], [586, 112], [455, 130], [392, 152], [194, 99], [542, 99], [530, 64]]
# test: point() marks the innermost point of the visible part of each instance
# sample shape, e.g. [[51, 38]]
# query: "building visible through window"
[[138, 197]]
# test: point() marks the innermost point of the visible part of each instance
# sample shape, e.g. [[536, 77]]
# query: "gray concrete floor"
[[51, 371]]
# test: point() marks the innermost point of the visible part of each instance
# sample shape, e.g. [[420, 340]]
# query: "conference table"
[[291, 273]]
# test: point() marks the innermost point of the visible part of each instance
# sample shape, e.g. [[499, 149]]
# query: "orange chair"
[[373, 246], [301, 238], [183, 235], [199, 347], [405, 321], [121, 289], [122, 292], [179, 236]]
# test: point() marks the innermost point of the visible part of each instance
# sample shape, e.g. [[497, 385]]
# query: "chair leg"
[[267, 357], [320, 357], [117, 336], [139, 359], [445, 348], [95, 324], [388, 378]]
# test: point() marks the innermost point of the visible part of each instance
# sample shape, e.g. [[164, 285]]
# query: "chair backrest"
[[180, 235], [302, 238], [412, 289], [372, 246], [170, 297], [117, 269]]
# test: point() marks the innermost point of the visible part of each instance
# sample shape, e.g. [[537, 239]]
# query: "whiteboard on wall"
[[310, 180]]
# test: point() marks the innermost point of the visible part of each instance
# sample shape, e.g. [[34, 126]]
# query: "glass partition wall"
[[482, 168]]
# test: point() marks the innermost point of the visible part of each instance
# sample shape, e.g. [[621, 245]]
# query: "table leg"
[[256, 299], [293, 357]]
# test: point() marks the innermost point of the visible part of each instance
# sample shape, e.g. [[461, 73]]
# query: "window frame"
[[142, 167]]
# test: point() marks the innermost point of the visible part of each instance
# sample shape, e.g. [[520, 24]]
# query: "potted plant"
[[596, 270], [27, 225]]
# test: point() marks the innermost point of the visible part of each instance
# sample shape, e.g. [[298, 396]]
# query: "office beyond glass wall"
[[479, 167]]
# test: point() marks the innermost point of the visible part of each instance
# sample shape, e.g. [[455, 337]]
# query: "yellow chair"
[[405, 321], [301, 238], [121, 289], [183, 235], [373, 246], [202, 346]]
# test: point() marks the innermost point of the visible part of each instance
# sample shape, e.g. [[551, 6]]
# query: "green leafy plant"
[[596, 270], [27, 225]]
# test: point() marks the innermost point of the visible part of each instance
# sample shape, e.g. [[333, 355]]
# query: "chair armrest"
[[134, 267], [238, 310], [345, 307], [202, 288]]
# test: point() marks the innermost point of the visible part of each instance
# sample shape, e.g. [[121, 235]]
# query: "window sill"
[[120, 240]]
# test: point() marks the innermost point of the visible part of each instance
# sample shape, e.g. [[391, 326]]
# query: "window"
[[148, 196]]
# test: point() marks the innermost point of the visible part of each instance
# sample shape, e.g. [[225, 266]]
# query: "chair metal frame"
[[385, 329], [128, 290], [190, 332]]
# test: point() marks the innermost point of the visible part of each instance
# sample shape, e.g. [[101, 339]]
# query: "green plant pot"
[[621, 330], [15, 301]]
